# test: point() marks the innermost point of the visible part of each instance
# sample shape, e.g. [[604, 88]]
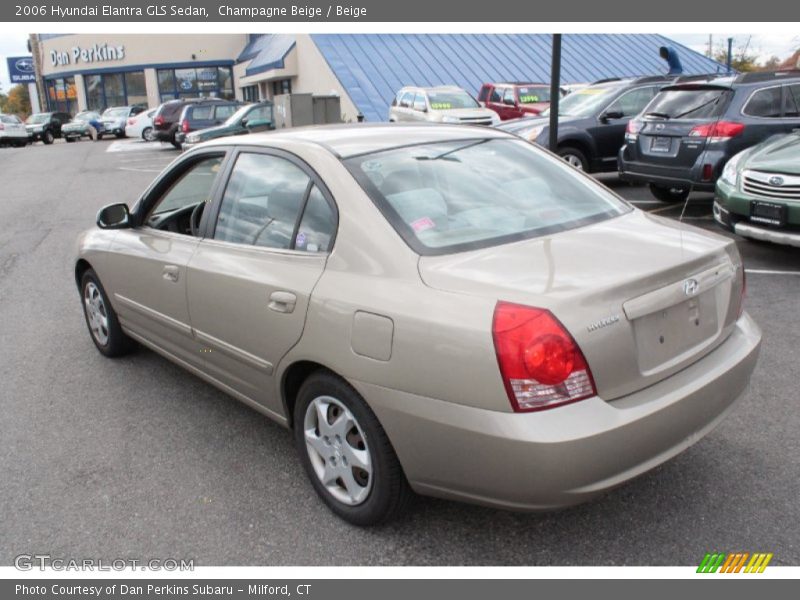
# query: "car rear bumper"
[[639, 171], [550, 459]]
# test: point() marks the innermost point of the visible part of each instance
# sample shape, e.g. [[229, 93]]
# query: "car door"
[[148, 279], [258, 118], [609, 129], [222, 112], [251, 277]]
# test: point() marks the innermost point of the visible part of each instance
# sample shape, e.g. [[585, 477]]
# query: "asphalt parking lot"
[[135, 458]]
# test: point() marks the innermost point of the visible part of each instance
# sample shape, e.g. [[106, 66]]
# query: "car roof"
[[518, 83], [434, 88], [352, 139]]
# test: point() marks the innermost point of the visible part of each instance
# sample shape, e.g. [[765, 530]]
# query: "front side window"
[[407, 99], [419, 102], [765, 103], [459, 195], [189, 189], [584, 102], [508, 97], [262, 202], [631, 103]]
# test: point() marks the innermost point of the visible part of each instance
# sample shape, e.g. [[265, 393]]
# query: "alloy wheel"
[[96, 313]]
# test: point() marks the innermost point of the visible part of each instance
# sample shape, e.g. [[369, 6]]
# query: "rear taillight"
[[719, 131], [131, 121], [185, 126], [158, 121], [541, 365], [2, 127], [634, 126]]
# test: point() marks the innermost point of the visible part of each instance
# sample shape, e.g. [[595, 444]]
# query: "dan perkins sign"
[[94, 54]]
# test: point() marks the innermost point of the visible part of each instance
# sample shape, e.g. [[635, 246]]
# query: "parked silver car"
[[446, 309], [12, 131], [444, 104]]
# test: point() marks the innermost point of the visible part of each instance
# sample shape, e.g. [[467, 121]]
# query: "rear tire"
[[104, 327], [175, 142], [668, 194], [331, 452], [120, 135], [574, 157]]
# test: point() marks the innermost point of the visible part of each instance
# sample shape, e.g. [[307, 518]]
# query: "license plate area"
[[769, 213], [660, 143], [665, 335]]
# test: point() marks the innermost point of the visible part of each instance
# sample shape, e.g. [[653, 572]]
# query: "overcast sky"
[[780, 45]]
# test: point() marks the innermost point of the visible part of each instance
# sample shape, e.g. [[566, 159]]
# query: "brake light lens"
[[719, 131], [2, 127], [634, 126], [131, 121], [158, 121], [185, 126], [541, 364]]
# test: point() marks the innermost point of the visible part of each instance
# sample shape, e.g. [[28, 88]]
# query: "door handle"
[[282, 302], [170, 273]]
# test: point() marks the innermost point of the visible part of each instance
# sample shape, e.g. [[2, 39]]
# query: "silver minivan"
[[443, 104]]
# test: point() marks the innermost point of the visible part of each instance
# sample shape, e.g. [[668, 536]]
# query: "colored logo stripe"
[[733, 563]]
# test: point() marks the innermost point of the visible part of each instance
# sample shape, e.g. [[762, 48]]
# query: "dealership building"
[[95, 71]]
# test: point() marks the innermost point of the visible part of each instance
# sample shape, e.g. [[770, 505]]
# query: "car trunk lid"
[[643, 297]]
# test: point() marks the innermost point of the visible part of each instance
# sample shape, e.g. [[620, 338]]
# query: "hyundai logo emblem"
[[24, 65], [776, 180], [690, 287]]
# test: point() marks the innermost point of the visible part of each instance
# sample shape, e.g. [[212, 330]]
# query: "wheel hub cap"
[[96, 313], [338, 450]]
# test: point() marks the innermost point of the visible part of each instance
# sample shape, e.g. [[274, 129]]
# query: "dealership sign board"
[[20, 69], [93, 54]]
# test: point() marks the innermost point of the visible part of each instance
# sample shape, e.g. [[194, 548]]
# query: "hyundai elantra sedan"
[[447, 310]]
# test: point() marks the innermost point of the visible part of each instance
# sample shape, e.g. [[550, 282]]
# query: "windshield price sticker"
[[528, 99], [441, 105]]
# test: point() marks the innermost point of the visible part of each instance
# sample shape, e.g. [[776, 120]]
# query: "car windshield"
[[450, 100], [700, 103], [584, 102], [460, 195], [533, 94], [38, 118], [116, 112]]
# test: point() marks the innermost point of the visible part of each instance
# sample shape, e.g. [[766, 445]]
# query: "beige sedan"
[[444, 309]]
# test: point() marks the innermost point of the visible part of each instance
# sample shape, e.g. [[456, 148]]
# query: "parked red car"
[[515, 100]]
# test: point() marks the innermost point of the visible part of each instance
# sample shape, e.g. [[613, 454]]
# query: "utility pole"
[[555, 91]]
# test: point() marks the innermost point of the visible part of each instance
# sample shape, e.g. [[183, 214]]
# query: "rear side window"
[[791, 101], [225, 111], [419, 101], [496, 95], [407, 99], [262, 204], [201, 113], [764, 103], [692, 103]]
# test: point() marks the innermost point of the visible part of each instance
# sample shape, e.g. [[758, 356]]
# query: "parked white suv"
[[12, 131], [443, 104]]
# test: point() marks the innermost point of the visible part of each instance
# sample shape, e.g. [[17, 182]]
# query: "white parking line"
[[770, 272], [137, 146]]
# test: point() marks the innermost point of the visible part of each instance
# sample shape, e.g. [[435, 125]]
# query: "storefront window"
[[135, 88], [62, 96], [216, 82], [250, 93], [115, 89], [282, 86]]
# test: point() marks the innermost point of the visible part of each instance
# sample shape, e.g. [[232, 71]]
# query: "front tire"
[[48, 138], [574, 157], [668, 194], [147, 134], [346, 453], [101, 319]]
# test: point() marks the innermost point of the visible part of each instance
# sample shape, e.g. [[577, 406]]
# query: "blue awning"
[[266, 52]]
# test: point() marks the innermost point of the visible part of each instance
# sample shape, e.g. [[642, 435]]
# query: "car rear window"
[[10, 119], [466, 194], [689, 103]]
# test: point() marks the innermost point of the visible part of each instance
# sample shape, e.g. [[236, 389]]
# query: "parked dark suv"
[[592, 121], [166, 121], [202, 115], [46, 126], [684, 137]]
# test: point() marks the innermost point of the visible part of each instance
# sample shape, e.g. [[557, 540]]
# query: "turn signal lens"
[[541, 365]]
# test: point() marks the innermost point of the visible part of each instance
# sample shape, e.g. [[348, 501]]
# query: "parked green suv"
[[758, 193], [251, 117]]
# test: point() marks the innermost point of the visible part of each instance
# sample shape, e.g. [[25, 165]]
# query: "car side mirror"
[[114, 216], [244, 122], [612, 114]]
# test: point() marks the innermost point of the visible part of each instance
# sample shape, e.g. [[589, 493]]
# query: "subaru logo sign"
[[690, 287], [24, 65], [776, 180]]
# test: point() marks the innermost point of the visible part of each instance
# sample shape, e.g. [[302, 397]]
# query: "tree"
[[17, 102], [772, 63], [741, 60]]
